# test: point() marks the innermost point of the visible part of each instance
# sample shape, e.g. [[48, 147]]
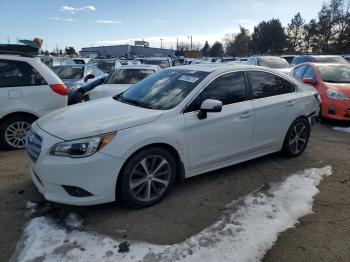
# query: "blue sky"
[[82, 23]]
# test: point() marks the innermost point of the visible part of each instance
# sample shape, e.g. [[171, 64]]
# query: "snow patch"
[[73, 220], [247, 229], [31, 205], [342, 129]]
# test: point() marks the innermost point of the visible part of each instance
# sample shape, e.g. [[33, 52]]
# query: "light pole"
[[191, 42]]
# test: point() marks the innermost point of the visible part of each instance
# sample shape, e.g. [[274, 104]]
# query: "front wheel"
[[147, 177], [13, 132], [297, 138], [80, 96]]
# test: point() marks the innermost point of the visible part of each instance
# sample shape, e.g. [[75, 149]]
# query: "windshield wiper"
[[120, 98]]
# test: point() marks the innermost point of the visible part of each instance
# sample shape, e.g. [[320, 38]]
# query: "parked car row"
[[174, 108]]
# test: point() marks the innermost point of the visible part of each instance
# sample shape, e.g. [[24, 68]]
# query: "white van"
[[28, 90]]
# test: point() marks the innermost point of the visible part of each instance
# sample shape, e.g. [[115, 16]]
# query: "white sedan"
[[177, 123], [121, 79]]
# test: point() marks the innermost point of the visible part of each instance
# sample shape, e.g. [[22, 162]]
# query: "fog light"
[[76, 191], [331, 110]]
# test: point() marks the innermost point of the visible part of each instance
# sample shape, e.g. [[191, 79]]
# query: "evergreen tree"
[[217, 50]]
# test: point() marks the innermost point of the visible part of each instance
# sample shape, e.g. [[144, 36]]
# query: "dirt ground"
[[192, 206]]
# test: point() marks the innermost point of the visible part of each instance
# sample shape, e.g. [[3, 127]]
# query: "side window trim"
[[183, 111]]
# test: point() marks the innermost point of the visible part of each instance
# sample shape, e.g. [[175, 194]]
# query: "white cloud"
[[73, 10], [244, 21], [63, 19], [160, 21], [109, 22]]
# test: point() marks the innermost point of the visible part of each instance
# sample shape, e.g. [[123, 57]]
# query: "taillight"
[[60, 89]]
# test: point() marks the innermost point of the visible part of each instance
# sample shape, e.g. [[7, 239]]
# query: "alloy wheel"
[[15, 134], [150, 178], [298, 138]]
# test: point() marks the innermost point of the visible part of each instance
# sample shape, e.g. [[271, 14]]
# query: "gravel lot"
[[192, 206]]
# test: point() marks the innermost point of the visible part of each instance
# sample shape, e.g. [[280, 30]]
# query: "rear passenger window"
[[266, 84], [18, 73], [229, 88]]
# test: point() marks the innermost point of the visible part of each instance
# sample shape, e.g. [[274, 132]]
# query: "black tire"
[[4, 125], [128, 174], [289, 149], [80, 96]]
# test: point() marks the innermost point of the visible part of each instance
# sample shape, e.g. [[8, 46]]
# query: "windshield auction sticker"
[[188, 79]]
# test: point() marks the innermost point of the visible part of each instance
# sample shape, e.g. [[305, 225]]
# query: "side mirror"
[[209, 106], [90, 76], [309, 81]]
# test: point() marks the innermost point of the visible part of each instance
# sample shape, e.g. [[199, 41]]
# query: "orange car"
[[332, 81]]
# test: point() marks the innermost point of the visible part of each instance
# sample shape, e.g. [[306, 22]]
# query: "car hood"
[[94, 118], [342, 88]]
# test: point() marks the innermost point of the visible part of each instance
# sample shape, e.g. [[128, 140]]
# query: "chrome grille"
[[33, 145]]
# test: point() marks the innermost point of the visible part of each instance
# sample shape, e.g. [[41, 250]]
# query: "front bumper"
[[96, 174], [336, 109]]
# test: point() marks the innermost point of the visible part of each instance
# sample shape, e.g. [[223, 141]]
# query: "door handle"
[[290, 103], [245, 115]]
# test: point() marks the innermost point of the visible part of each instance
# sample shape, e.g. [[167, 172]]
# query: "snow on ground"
[[342, 129], [247, 229]]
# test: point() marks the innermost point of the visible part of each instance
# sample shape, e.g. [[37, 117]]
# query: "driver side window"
[[229, 88]]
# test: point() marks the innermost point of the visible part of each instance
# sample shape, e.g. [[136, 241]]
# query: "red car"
[[332, 81]]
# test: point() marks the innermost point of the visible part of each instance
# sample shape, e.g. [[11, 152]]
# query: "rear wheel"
[[13, 132], [147, 177], [297, 138]]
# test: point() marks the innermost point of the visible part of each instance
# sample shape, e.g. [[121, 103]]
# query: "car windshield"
[[335, 74], [330, 59], [163, 90], [127, 76], [65, 72], [105, 65], [161, 63], [273, 62]]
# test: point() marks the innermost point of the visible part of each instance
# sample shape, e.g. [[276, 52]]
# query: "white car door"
[[275, 105], [224, 135]]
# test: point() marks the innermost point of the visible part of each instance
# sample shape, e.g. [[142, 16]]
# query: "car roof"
[[325, 64], [266, 56], [142, 66], [73, 65], [156, 58], [18, 57], [214, 67], [318, 56]]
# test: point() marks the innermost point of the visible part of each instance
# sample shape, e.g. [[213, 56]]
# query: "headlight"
[[81, 147], [336, 95]]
